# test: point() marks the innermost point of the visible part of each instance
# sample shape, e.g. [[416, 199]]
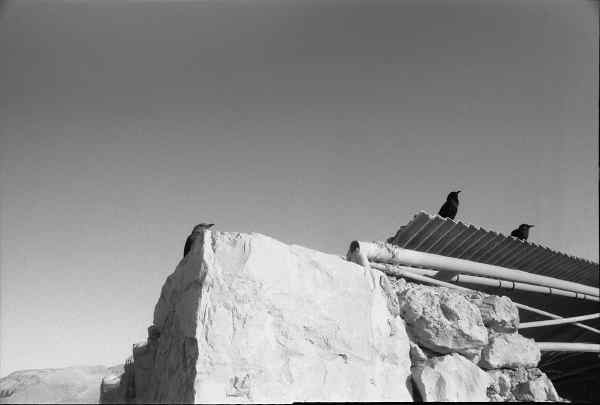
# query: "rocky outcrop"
[[245, 318], [510, 350], [451, 378], [74, 385], [442, 320]]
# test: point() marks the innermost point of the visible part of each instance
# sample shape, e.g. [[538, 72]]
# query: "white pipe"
[[409, 274], [388, 253], [562, 321], [554, 316], [510, 285], [568, 347]]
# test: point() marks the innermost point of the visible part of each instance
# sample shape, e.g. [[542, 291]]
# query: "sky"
[[124, 124]]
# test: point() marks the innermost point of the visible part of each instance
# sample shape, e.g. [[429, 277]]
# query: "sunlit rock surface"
[[451, 378], [509, 350], [246, 318], [499, 313], [442, 320]]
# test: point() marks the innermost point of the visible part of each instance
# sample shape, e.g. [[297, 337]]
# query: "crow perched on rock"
[[195, 232], [522, 232], [450, 207]]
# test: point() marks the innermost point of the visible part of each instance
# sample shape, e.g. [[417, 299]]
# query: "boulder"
[[536, 389], [245, 318], [500, 391], [442, 320], [451, 378], [499, 314], [509, 350], [522, 384]]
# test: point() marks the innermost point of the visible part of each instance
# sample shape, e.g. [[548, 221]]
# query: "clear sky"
[[122, 125]]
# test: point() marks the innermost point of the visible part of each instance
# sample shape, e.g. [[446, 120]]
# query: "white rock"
[[451, 378], [536, 390], [509, 350], [246, 318], [522, 385], [501, 389], [499, 314], [442, 320]]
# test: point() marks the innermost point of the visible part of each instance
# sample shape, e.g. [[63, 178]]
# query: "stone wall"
[[465, 346]]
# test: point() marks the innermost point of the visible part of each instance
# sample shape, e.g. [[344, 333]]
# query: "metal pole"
[[568, 347], [562, 321], [388, 253]]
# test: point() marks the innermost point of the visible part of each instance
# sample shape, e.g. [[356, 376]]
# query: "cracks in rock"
[[241, 387], [343, 356]]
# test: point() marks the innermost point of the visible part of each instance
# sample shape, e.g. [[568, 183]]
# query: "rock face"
[[510, 350], [442, 320], [451, 378], [245, 318]]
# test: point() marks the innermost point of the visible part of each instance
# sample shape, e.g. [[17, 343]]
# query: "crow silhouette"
[[450, 207], [195, 232], [522, 232]]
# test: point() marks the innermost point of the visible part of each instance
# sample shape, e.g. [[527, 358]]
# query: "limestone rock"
[[536, 390], [509, 350], [499, 314], [245, 318], [442, 320], [451, 378], [522, 385], [501, 390]]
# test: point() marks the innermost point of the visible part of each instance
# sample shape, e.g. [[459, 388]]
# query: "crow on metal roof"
[[522, 232], [195, 232], [450, 207]]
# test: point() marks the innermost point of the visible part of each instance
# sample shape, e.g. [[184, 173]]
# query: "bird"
[[450, 207], [522, 232], [189, 242]]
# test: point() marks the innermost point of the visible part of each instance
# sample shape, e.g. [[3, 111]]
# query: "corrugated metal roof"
[[443, 236]]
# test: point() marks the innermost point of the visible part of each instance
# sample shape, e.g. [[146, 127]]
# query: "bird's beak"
[[458, 192]]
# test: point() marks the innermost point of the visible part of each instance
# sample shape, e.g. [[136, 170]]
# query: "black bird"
[[522, 232], [450, 207], [195, 232]]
